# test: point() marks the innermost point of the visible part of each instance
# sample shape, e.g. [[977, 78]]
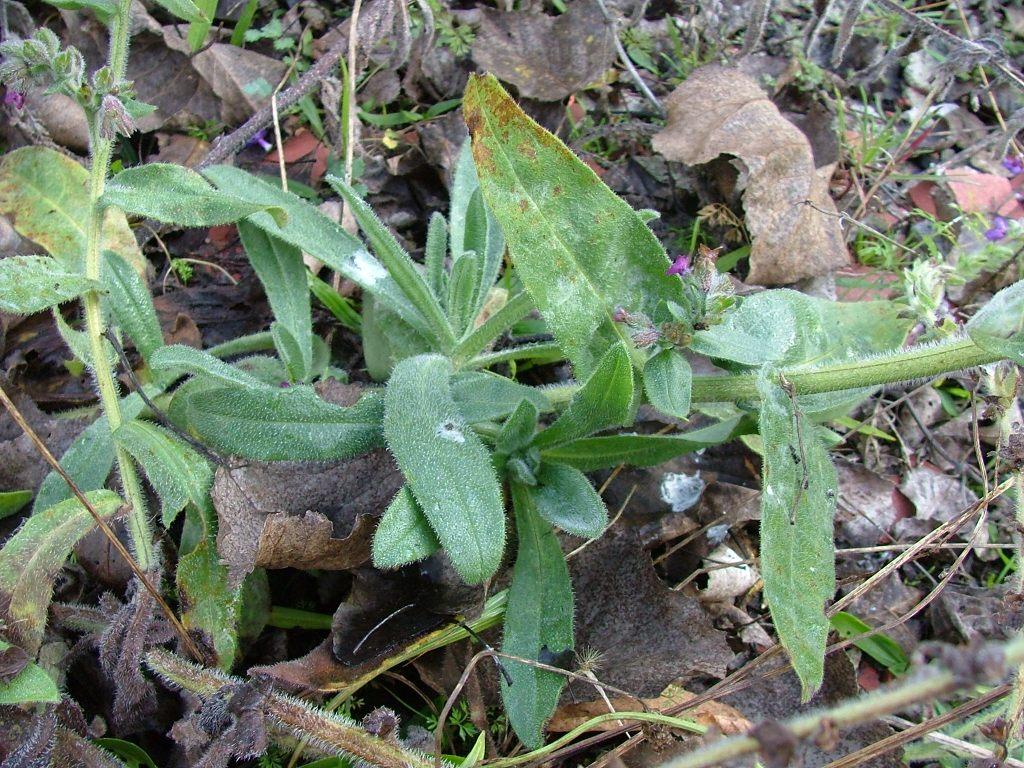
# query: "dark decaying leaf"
[[54, 737], [131, 631], [13, 660], [545, 57], [722, 111], [302, 514], [383, 615], [231, 724], [647, 634]]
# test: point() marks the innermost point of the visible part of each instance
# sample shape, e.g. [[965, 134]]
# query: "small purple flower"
[[14, 99], [621, 315], [260, 139], [1014, 164], [681, 266], [998, 229]]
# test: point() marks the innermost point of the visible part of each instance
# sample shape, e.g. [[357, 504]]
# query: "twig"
[[922, 729], [186, 639], [227, 146], [952, 744], [627, 63]]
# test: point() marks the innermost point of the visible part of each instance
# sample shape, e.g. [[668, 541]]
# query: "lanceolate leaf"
[[446, 466], [178, 195], [290, 424], [33, 283], [32, 558], [45, 194], [209, 604], [538, 619], [178, 474], [603, 402], [798, 494], [30, 685], [87, 461], [279, 267], [564, 497], [404, 534], [184, 9], [593, 453], [179, 359], [130, 302], [319, 236], [518, 429], [580, 250], [668, 381], [482, 396]]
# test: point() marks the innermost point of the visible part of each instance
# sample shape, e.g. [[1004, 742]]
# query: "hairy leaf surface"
[[798, 495], [177, 195], [33, 283], [131, 305], [403, 534], [999, 325], [445, 465], [538, 619], [564, 497], [34, 555], [290, 424], [668, 381], [580, 250], [30, 685]]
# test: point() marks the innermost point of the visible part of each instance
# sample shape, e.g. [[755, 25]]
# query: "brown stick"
[[186, 640]]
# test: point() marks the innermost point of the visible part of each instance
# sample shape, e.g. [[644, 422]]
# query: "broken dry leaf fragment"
[[722, 111]]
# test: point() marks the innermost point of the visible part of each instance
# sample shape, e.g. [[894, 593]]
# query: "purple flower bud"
[[1014, 164], [621, 315], [680, 266], [646, 337], [14, 99], [114, 118], [260, 140], [998, 229]]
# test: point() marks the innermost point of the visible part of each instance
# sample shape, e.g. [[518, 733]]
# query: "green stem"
[[547, 350], [102, 148], [921, 362]]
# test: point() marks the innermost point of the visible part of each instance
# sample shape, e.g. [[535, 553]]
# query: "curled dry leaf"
[[545, 57], [302, 514], [731, 581], [714, 714], [722, 111]]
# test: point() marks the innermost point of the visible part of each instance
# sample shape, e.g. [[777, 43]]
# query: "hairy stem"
[[920, 362], [102, 365], [925, 687]]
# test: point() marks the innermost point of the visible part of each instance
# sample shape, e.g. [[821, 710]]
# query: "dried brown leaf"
[[722, 111], [545, 57]]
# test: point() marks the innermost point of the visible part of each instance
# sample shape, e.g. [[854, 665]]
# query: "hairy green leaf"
[[279, 266], [445, 465], [210, 605], [564, 497], [88, 460], [403, 534], [178, 474], [538, 620], [483, 396], [593, 453], [433, 257], [131, 304], [103, 9], [798, 495], [45, 195], [33, 283], [603, 401], [31, 559], [291, 424], [29, 686], [387, 338], [668, 381], [580, 250], [998, 326], [398, 264], [178, 359], [177, 195], [518, 430], [319, 236]]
